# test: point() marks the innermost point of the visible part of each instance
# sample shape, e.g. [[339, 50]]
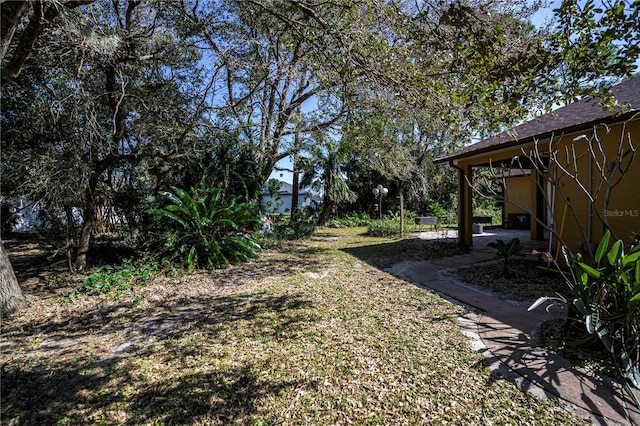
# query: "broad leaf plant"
[[607, 301]]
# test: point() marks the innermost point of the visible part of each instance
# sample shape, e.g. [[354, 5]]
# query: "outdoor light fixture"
[[380, 191]]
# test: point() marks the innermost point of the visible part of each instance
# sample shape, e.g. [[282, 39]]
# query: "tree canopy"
[[106, 103]]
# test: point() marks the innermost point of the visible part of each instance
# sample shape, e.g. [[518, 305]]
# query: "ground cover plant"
[[315, 332]]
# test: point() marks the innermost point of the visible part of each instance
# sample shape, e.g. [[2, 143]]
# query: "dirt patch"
[[558, 335], [529, 282]]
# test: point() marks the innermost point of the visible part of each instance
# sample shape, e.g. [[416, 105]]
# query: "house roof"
[[570, 118]]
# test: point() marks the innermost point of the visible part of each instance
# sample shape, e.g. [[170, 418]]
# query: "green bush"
[[513, 247], [207, 230], [494, 212], [118, 278], [294, 230], [606, 300], [350, 220], [438, 211], [383, 227]]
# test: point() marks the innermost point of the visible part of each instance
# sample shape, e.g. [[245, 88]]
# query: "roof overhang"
[[467, 154]]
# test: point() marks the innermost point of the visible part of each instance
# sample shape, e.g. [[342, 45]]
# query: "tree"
[[126, 94], [323, 170], [592, 44], [129, 109], [41, 14], [11, 298], [12, 62], [263, 70]]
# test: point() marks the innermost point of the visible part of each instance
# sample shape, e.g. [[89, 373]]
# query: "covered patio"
[[572, 163], [481, 241]]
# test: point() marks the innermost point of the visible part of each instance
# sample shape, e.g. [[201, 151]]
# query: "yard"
[[314, 332]]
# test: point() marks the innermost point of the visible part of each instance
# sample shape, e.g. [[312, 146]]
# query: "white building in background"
[[23, 215], [281, 202]]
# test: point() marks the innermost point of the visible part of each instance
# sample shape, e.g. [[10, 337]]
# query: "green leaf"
[[584, 278], [161, 212], [602, 247], [579, 305], [540, 301], [605, 338], [593, 273], [614, 254], [192, 258], [632, 257], [631, 368], [630, 392], [590, 320]]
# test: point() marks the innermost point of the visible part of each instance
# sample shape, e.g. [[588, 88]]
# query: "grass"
[[314, 333]]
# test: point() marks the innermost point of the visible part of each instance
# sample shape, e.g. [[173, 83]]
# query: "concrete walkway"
[[506, 331]]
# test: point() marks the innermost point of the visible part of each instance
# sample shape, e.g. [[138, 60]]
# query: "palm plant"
[[323, 169], [513, 247], [211, 232]]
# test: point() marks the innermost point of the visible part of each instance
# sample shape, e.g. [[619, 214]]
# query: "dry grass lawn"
[[313, 333]]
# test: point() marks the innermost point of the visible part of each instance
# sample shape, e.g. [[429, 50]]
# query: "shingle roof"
[[576, 116]]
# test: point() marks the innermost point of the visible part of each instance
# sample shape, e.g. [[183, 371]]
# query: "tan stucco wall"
[[517, 196], [623, 210]]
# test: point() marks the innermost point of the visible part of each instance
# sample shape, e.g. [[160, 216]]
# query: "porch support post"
[[465, 205]]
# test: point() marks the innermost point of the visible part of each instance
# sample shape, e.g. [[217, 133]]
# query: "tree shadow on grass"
[[385, 255], [65, 378], [69, 395]]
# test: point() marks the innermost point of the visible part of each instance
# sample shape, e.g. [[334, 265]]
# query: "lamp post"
[[380, 191]]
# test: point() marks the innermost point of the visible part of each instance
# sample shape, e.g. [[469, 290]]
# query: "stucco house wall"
[[569, 192], [517, 197], [585, 215], [282, 202]]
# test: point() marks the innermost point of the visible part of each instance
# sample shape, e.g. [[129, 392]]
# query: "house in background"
[[583, 175], [280, 202], [19, 215]]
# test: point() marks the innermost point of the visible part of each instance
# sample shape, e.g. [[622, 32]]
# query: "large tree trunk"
[[295, 194], [89, 220], [11, 298]]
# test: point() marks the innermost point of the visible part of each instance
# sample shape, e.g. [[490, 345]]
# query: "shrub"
[[118, 278], [494, 212], [208, 230], [383, 227], [294, 230], [606, 300], [350, 220], [505, 251], [438, 211]]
